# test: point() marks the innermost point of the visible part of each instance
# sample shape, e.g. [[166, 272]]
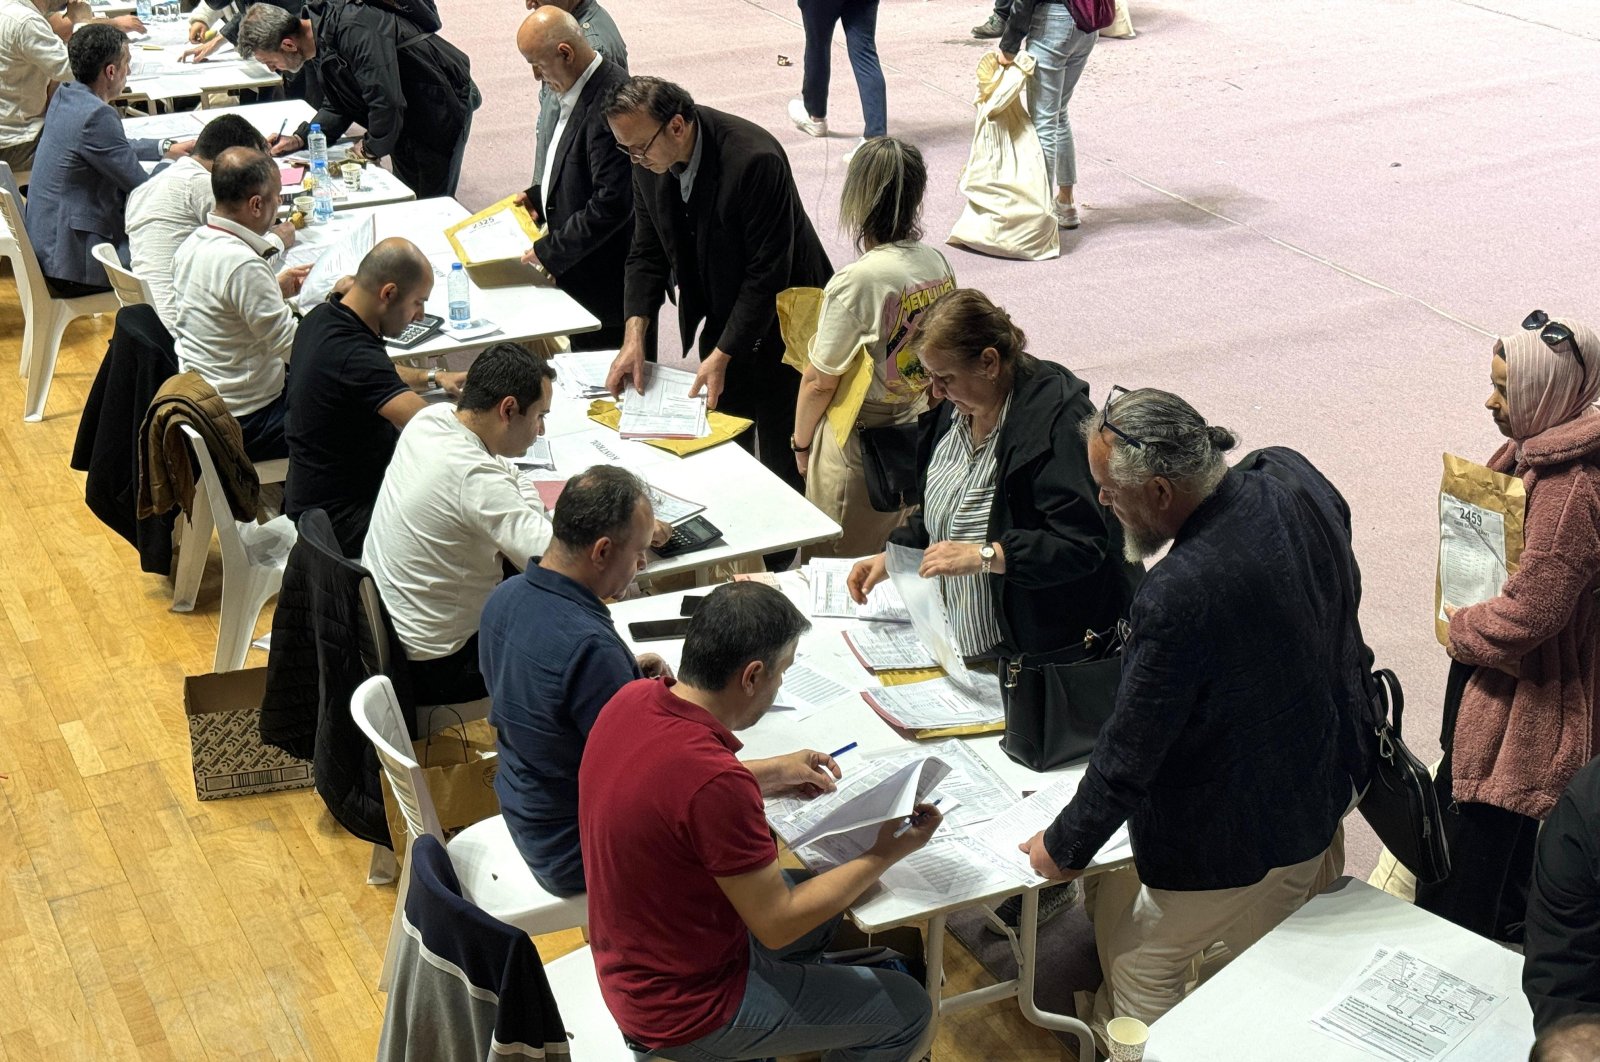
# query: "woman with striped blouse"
[[1011, 524]]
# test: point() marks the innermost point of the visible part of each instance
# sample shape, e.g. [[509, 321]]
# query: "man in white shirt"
[[451, 507], [166, 209], [234, 326]]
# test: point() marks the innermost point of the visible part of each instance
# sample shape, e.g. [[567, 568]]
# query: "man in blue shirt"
[[552, 658]]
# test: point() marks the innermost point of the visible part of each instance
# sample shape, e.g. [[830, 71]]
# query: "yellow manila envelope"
[[798, 310], [491, 244], [723, 428], [904, 678]]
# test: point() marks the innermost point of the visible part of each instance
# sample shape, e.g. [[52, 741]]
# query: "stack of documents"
[[671, 509], [888, 647], [806, 691], [538, 457], [939, 704], [664, 410], [828, 579], [863, 802], [583, 374], [1000, 835]]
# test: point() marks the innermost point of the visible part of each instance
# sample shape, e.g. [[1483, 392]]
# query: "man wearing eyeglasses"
[[1238, 741], [717, 214]]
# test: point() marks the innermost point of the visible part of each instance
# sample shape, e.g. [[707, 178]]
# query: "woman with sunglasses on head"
[[869, 316], [1519, 713]]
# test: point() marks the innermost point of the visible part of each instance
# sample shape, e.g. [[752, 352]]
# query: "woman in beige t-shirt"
[[869, 311]]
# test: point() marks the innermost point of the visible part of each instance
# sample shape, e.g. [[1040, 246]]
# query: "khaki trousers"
[[836, 483], [1151, 941]]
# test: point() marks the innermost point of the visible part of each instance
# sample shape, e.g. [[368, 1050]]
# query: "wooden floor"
[[135, 920]]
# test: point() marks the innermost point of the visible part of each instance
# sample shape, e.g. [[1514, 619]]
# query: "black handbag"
[[1400, 804], [1057, 702], [889, 457]]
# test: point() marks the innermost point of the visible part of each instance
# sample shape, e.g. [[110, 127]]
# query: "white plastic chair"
[[594, 1033], [44, 317], [253, 559], [194, 529], [129, 288], [492, 872]]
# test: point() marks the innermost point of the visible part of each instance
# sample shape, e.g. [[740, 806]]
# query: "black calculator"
[[694, 533], [417, 331]]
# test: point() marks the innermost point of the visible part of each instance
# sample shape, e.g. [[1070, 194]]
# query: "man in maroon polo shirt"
[[705, 949]]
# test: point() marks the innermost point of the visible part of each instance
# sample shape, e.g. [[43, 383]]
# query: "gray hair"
[[1174, 441], [264, 28]]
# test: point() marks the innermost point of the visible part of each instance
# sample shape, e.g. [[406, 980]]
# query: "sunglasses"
[[639, 155], [1105, 418], [1557, 336]]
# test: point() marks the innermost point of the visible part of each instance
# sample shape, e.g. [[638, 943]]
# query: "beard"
[[1139, 544]]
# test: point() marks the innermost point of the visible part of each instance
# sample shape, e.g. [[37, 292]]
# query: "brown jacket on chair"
[[1527, 720], [167, 473]]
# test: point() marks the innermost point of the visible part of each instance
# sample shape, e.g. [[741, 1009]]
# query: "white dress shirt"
[[31, 56], [447, 511], [233, 326], [569, 100], [162, 213]]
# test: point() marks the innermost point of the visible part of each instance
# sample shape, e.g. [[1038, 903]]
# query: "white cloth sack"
[[1010, 205], [1122, 27]]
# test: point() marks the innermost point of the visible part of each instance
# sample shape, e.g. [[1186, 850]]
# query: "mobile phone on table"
[[690, 603], [658, 630]]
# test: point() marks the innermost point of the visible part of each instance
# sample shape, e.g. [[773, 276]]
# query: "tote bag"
[[1009, 209]]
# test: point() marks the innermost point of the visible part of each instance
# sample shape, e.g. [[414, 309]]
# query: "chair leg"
[[42, 365], [391, 951], [244, 595], [192, 553]]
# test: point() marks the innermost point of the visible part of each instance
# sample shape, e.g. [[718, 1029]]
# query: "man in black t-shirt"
[[347, 399]]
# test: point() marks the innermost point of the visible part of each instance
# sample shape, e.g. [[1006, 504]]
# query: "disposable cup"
[[1126, 1038]]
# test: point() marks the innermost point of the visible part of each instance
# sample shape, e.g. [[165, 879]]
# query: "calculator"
[[694, 533], [417, 331]]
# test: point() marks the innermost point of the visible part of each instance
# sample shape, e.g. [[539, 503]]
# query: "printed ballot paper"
[[863, 802], [1404, 1008], [806, 691], [1480, 536], [664, 410], [888, 647], [1001, 834], [339, 260], [939, 703], [828, 579]]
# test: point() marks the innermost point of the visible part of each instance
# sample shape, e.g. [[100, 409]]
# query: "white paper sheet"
[[863, 801], [1001, 834], [828, 579], [1405, 1008], [946, 869], [974, 792], [582, 374], [670, 508], [339, 260], [180, 126], [493, 239], [538, 457], [939, 702], [888, 647], [1472, 553], [925, 605], [806, 691], [664, 410]]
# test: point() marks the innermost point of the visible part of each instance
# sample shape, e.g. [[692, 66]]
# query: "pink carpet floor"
[[1308, 218]]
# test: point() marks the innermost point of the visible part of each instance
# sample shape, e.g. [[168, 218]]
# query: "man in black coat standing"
[[584, 194], [716, 212], [410, 89]]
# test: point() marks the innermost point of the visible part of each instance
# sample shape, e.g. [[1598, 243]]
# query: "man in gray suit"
[[601, 32], [86, 166]]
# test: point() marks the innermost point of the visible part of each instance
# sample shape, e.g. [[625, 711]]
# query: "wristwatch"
[[987, 554], [797, 448], [433, 377]]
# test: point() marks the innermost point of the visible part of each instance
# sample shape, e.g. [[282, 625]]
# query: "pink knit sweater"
[[1528, 719]]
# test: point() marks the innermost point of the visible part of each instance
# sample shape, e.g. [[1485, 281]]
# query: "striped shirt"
[[958, 500]]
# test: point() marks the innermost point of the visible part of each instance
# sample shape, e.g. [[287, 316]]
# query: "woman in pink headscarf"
[[1520, 714]]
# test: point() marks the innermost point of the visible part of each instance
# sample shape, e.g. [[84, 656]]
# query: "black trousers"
[[1491, 849], [453, 679]]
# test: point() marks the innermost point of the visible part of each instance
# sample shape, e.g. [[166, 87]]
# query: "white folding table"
[[1259, 1007], [157, 74], [850, 720]]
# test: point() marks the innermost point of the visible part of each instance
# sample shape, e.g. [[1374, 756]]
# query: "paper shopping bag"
[[459, 765]]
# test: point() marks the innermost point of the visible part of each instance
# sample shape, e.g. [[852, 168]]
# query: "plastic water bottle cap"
[[316, 127], [455, 267]]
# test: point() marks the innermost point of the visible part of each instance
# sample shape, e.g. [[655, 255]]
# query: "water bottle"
[[460, 297], [321, 193], [143, 10], [318, 145]]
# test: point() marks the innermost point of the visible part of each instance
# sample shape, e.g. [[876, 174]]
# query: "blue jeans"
[[1061, 50], [794, 1004], [860, 18], [263, 430]]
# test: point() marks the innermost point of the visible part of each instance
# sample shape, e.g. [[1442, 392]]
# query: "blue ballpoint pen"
[[840, 752], [910, 822]]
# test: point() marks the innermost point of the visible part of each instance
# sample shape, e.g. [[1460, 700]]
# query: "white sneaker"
[[802, 120], [851, 151], [1066, 215]]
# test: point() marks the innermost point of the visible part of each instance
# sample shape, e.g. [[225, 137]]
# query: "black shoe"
[[992, 27], [1052, 901]]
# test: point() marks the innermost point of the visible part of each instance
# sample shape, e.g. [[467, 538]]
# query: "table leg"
[[1029, 930], [933, 954]]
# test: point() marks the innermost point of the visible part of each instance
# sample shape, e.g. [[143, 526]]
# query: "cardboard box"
[[225, 738]]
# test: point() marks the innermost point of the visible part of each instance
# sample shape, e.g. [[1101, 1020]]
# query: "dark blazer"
[[741, 239], [82, 174], [411, 90], [1235, 746], [1065, 573], [589, 207], [1561, 942]]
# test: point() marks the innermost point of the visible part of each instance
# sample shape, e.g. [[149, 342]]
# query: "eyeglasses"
[[1105, 418], [638, 156], [1557, 336]]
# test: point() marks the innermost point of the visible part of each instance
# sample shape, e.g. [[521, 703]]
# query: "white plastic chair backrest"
[[11, 209], [8, 181], [131, 291], [378, 715], [372, 605], [228, 537]]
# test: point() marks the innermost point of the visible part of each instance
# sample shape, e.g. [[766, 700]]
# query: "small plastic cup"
[[1126, 1038]]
